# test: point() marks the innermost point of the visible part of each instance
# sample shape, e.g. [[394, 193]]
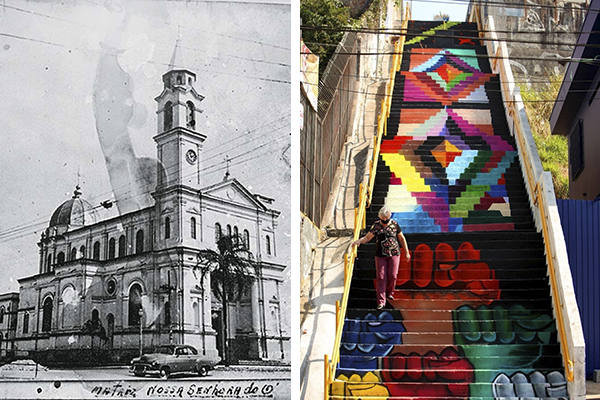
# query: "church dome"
[[74, 212]]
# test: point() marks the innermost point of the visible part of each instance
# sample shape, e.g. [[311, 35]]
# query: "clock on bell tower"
[[179, 143]]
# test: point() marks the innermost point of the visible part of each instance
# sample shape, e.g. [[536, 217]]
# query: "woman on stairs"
[[387, 253]]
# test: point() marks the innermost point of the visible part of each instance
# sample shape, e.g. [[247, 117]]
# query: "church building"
[[107, 287]]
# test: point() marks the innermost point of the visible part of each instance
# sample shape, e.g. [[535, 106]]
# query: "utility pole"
[[141, 314]]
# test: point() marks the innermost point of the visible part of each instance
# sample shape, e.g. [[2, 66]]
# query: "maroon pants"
[[387, 271]]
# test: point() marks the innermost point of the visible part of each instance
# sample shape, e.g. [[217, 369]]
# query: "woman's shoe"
[[380, 306]]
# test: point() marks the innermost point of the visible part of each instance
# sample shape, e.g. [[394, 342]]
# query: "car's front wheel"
[[165, 372], [202, 370]]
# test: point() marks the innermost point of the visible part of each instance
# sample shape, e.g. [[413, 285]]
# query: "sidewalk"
[[325, 282]]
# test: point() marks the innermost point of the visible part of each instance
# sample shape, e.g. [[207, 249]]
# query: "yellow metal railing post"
[[326, 378]]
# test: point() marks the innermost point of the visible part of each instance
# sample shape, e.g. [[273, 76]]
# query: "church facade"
[[110, 287]]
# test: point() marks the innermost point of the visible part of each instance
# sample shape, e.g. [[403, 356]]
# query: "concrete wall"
[[309, 239], [527, 26]]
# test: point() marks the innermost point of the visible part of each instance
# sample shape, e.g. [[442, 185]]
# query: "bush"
[[553, 149]]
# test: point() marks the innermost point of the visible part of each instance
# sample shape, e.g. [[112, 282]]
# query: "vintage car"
[[172, 359]]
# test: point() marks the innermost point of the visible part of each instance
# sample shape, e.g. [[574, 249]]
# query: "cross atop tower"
[[227, 161]]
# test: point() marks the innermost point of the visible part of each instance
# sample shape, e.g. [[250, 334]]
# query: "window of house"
[[74, 253], [193, 228], [60, 258], [576, 150], [49, 264], [96, 252], [196, 310], [228, 230], [111, 248], [139, 241], [191, 122], [122, 246], [82, 252], [247, 239], [217, 232], [167, 228], [167, 314], [168, 116], [47, 315], [236, 234], [268, 244], [26, 322], [135, 304], [2, 311], [95, 316]]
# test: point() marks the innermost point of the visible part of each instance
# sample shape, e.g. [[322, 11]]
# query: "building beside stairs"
[[107, 287], [576, 111]]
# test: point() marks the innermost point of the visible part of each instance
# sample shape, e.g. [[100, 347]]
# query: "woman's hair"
[[384, 212]]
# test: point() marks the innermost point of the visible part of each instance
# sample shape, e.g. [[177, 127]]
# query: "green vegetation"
[[334, 14], [553, 149]]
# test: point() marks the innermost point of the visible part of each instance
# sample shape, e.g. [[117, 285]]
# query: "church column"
[[256, 318], [105, 245], [42, 258]]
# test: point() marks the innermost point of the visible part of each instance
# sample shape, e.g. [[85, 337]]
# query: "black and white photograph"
[[145, 220]]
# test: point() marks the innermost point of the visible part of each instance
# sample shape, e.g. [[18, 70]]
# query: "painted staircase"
[[471, 316]]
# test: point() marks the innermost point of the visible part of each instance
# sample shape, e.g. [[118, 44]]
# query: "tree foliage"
[[231, 268], [329, 13], [553, 149], [334, 14]]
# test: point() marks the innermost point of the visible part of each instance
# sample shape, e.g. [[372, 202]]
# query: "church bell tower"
[[179, 143]]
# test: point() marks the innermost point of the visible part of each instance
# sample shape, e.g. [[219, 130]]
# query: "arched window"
[[74, 253], [95, 316], [196, 309], [167, 228], [236, 232], [1, 339], [47, 315], [247, 239], [2, 311], [122, 246], [228, 230], [60, 258], [179, 80], [168, 116], [135, 305], [268, 245], [49, 264], [82, 252], [26, 322], [167, 314], [191, 122], [70, 303], [190, 79], [193, 228], [96, 252], [111, 248], [139, 241], [217, 232]]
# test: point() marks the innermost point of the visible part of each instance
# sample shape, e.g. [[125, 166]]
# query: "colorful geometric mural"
[[446, 76], [470, 316], [447, 168]]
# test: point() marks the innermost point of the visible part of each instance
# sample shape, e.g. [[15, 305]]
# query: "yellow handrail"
[[365, 196], [538, 200]]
